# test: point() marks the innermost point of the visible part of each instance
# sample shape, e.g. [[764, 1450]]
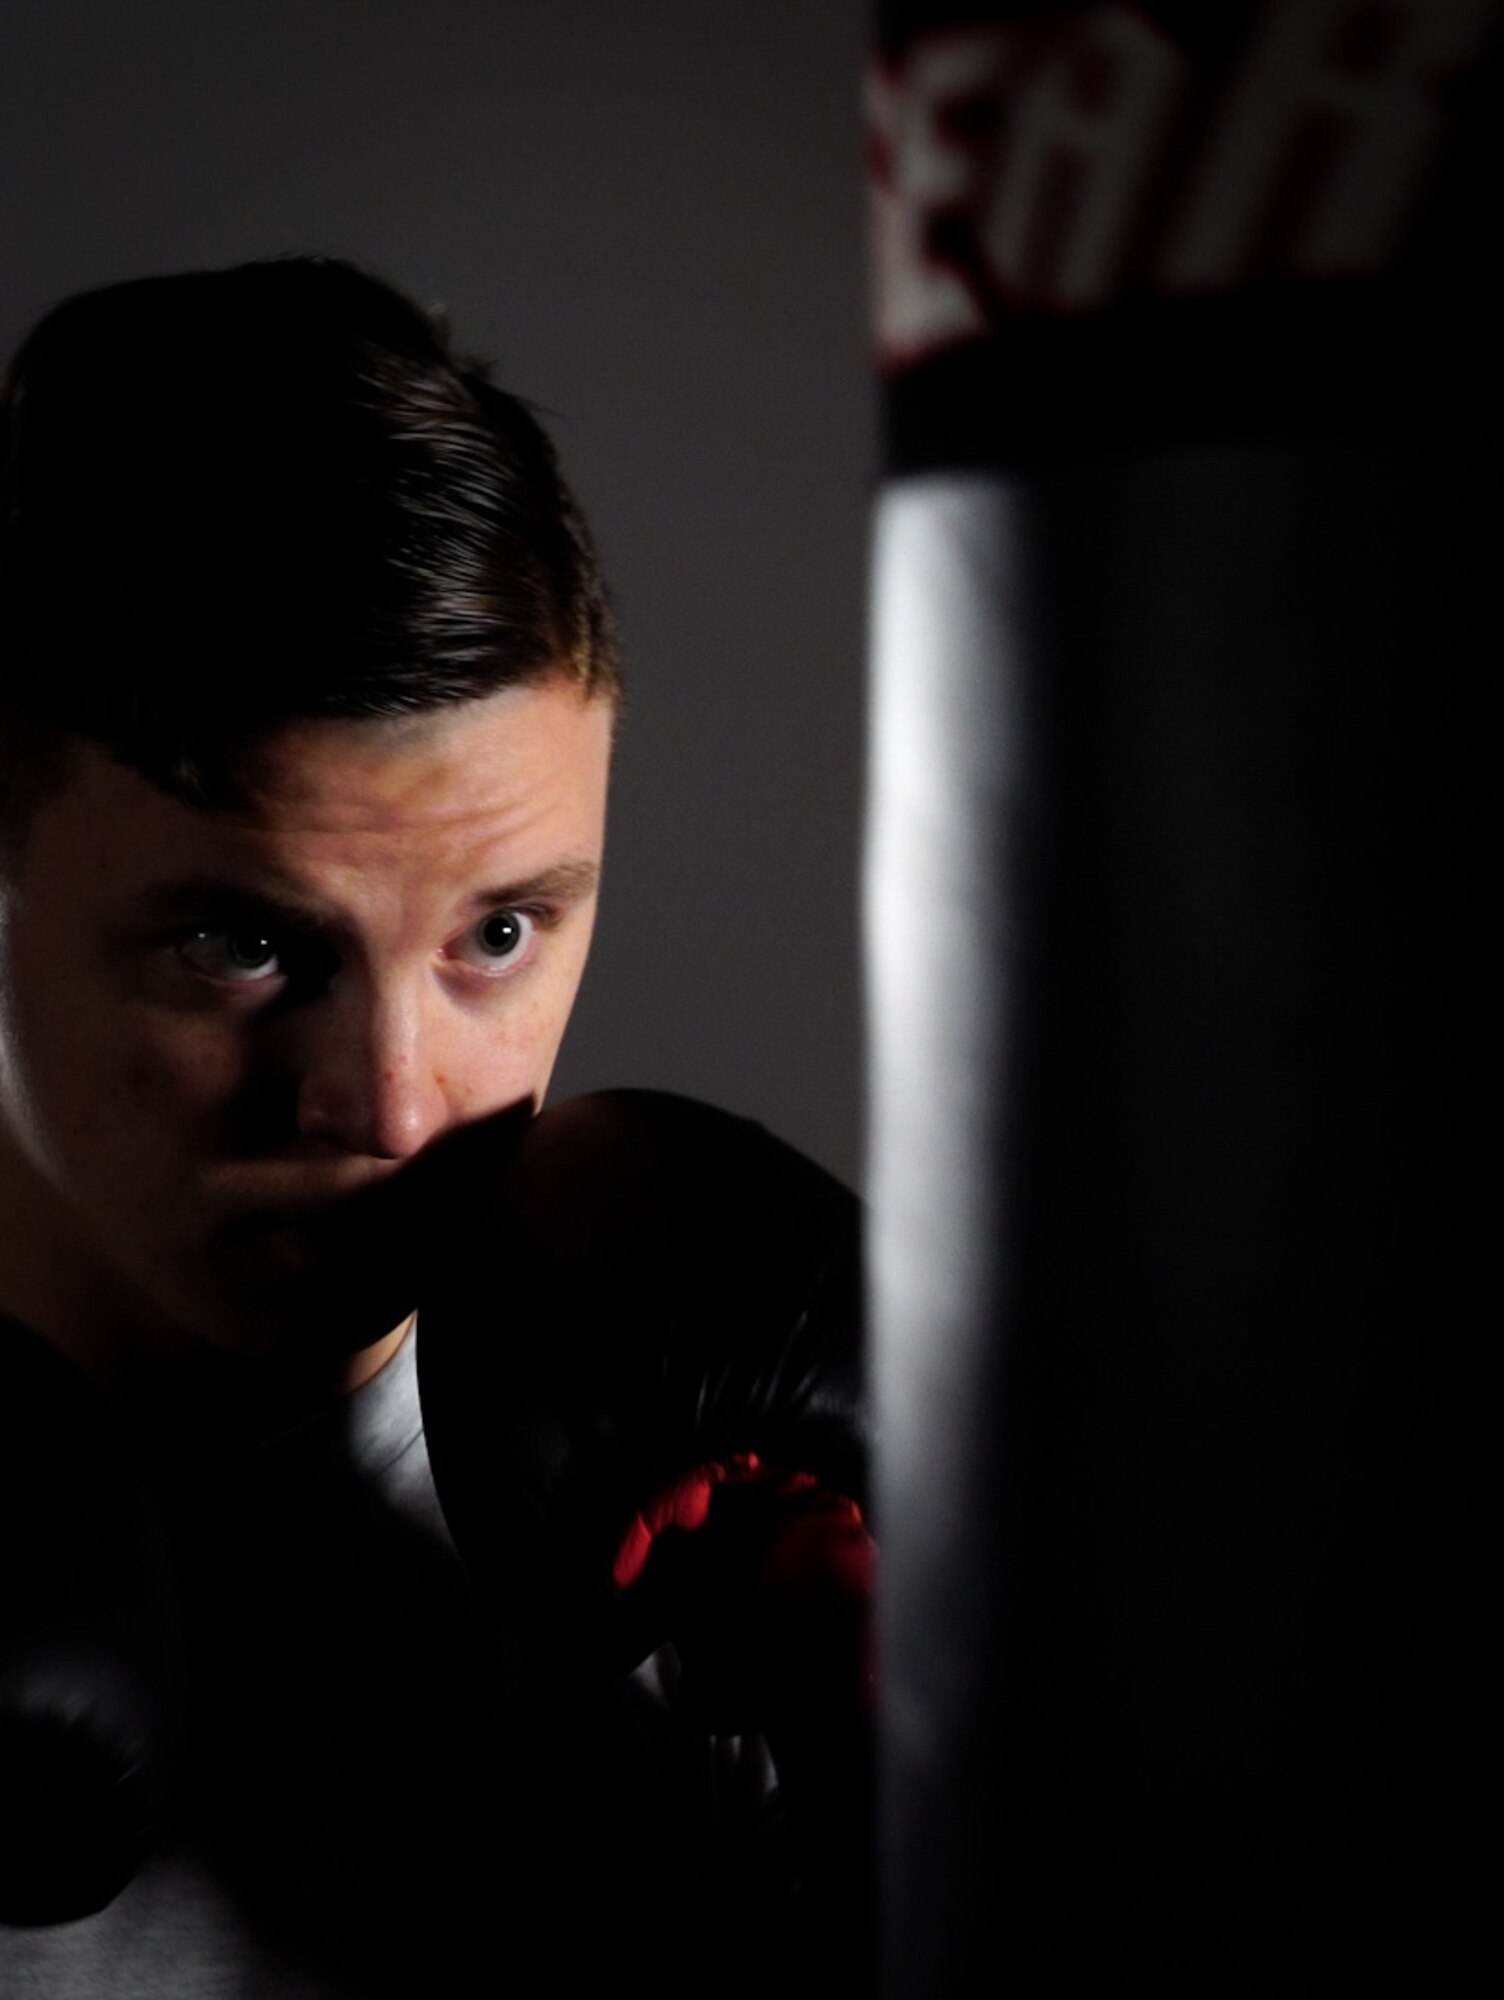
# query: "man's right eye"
[[240, 954]]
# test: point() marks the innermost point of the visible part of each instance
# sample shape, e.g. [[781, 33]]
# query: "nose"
[[371, 1079]]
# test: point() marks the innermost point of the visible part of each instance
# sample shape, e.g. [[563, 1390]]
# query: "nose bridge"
[[372, 1081]]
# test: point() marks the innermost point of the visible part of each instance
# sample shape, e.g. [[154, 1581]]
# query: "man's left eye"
[[497, 942]]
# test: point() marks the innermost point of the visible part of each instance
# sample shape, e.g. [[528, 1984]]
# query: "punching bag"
[[1184, 604]]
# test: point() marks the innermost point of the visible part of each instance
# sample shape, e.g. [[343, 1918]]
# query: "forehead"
[[328, 803], [500, 759]]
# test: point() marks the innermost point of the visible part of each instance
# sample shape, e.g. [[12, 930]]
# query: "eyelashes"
[[499, 943], [242, 955], [250, 952]]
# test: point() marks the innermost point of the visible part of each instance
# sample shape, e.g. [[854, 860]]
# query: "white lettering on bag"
[[1018, 166]]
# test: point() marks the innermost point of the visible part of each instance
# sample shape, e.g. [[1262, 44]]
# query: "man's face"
[[216, 1028]]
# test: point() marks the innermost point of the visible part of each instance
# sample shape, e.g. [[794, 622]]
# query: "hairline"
[[22, 800]]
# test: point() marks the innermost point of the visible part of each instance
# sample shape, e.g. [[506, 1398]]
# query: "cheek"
[[512, 1058], [556, 1019], [82, 1051], [153, 1079], [501, 1066]]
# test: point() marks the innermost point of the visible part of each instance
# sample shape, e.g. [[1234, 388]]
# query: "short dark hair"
[[233, 499]]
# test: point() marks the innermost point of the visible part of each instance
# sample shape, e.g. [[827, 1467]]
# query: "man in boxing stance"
[[307, 688]]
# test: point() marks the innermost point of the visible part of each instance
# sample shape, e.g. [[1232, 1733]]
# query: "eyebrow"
[[193, 895], [571, 881], [565, 882]]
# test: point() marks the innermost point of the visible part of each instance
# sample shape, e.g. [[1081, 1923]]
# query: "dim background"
[[648, 215]]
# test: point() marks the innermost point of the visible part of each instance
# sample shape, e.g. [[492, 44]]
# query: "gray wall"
[[648, 213]]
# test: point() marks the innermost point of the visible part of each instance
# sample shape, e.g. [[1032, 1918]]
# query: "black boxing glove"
[[772, 1608], [89, 1638], [640, 1286], [765, 1581], [640, 1359]]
